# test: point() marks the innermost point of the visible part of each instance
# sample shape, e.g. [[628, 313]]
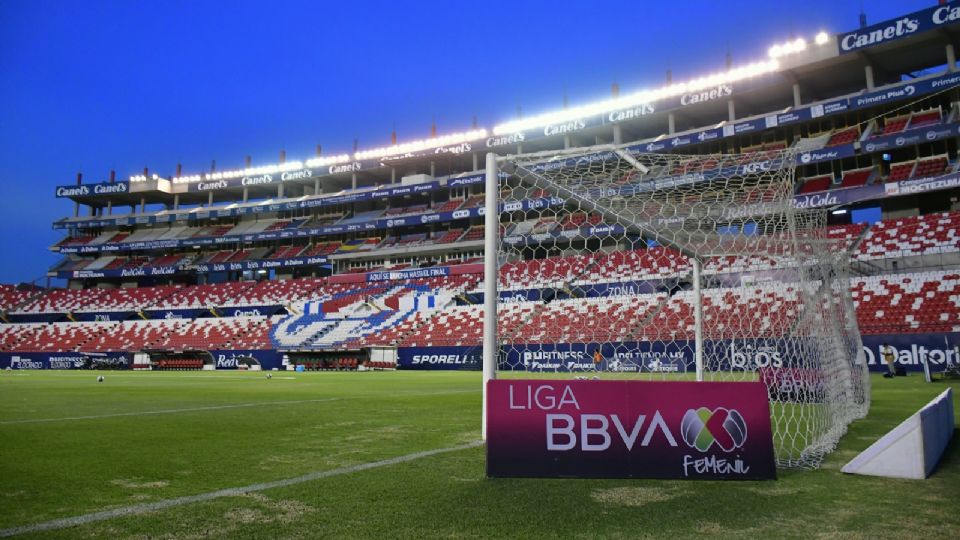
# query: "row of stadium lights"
[[642, 97]]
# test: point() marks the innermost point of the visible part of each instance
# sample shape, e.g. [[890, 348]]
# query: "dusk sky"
[[92, 86]]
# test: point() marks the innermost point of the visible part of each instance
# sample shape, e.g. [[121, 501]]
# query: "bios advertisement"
[[629, 429]]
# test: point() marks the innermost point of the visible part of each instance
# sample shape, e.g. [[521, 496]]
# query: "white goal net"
[[614, 263]]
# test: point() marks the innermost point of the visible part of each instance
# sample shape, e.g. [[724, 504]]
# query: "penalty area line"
[[228, 492]]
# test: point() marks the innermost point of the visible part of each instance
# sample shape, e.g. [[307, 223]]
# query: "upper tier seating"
[[448, 206], [474, 202], [127, 298], [360, 217], [449, 236], [266, 293], [11, 296], [320, 249], [75, 240], [893, 125], [287, 252], [901, 171], [844, 136], [361, 244], [167, 260], [537, 273], [926, 118], [816, 183], [204, 296], [61, 301], [856, 177], [653, 263], [932, 166]]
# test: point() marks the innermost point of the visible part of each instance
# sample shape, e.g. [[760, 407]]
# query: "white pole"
[[491, 240], [697, 319]]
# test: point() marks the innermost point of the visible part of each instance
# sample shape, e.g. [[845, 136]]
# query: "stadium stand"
[[910, 236], [328, 303], [908, 303]]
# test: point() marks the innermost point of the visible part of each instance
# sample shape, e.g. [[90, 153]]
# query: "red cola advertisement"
[[629, 429]]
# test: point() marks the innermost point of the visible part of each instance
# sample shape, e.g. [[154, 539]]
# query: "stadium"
[[785, 221]]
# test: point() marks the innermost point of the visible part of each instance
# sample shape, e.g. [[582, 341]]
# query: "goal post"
[[491, 244], [620, 263]]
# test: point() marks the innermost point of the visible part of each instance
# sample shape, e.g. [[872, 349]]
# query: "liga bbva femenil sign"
[[629, 429]]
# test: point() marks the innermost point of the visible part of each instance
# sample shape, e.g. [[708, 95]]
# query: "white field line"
[[228, 492]]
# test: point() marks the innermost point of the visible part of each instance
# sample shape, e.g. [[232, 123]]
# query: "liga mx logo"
[[702, 428]]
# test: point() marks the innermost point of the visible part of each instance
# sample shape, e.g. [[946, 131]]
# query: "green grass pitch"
[[70, 446]]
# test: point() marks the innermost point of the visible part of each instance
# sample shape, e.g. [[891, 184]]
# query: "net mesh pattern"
[[600, 252]]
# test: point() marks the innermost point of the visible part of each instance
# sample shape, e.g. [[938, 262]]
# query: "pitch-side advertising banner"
[[65, 360], [629, 429]]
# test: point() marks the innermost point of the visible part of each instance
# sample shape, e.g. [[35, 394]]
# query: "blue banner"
[[912, 137], [910, 187], [171, 314], [894, 29], [249, 311], [261, 264], [234, 359], [103, 316], [912, 350], [749, 355], [439, 358], [413, 273], [66, 360], [826, 154]]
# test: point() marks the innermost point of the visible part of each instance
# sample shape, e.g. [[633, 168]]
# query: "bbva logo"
[[702, 428]]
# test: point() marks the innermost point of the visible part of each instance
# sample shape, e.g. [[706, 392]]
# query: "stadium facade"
[[373, 259]]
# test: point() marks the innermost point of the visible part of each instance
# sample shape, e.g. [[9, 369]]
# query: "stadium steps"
[[174, 329], [105, 329], [810, 311], [636, 333], [862, 268], [28, 300]]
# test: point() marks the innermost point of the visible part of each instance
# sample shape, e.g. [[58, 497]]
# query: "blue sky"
[[92, 86]]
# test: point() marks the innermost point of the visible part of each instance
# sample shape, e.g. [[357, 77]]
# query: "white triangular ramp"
[[912, 449]]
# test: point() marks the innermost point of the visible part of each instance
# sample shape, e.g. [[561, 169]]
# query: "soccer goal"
[[615, 263]]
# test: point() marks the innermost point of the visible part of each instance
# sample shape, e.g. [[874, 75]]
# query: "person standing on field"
[[888, 356]]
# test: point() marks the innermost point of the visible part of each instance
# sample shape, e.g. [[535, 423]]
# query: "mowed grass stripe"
[[54, 470], [219, 407], [167, 411], [229, 492]]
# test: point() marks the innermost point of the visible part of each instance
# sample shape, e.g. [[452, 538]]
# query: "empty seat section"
[[911, 236], [908, 303]]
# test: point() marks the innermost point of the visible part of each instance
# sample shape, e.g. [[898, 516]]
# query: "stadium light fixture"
[[420, 145], [839, 212], [254, 171], [327, 160], [640, 98], [822, 38], [791, 47]]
